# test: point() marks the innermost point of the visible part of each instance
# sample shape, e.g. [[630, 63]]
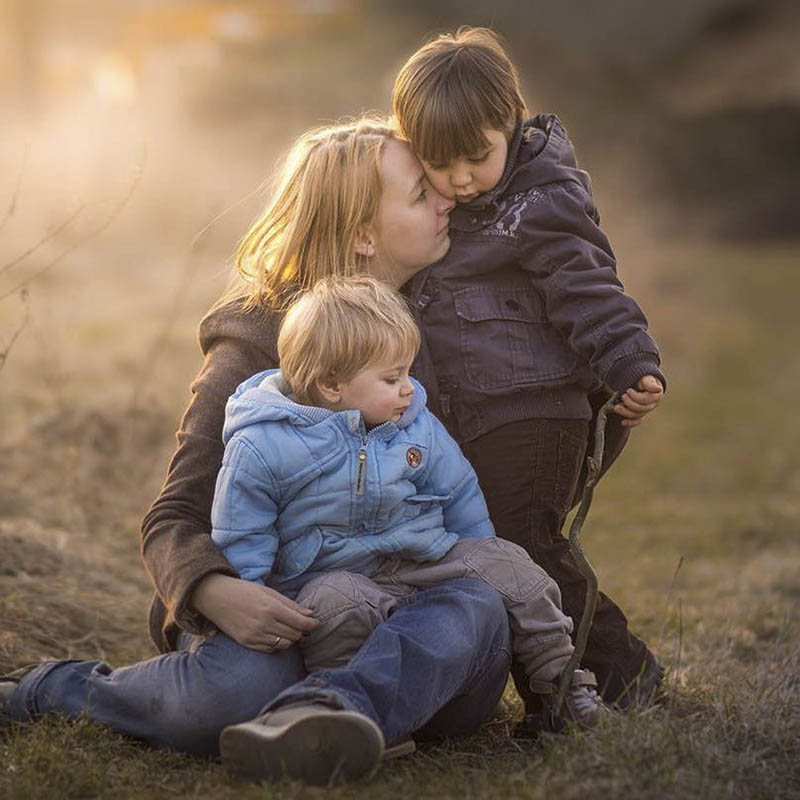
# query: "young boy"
[[338, 487], [525, 321]]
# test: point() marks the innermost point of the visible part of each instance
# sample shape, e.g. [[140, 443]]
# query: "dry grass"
[[710, 486]]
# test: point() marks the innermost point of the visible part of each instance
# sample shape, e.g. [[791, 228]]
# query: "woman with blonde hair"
[[350, 198]]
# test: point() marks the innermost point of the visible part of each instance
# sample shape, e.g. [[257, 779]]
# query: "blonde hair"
[[327, 193], [451, 89], [340, 327]]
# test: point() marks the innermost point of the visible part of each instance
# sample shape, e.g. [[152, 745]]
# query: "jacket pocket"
[[419, 504], [295, 557], [506, 339]]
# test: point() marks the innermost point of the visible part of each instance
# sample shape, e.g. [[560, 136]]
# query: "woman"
[[350, 198]]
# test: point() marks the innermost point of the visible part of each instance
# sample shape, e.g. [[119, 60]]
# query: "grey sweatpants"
[[349, 606]]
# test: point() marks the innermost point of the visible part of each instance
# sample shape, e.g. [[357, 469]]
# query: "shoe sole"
[[400, 750], [318, 750]]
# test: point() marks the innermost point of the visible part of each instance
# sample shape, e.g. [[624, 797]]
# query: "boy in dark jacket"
[[525, 320]]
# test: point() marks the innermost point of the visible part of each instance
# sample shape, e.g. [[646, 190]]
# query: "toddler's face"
[[381, 392], [467, 177]]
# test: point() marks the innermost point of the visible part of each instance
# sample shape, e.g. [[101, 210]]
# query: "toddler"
[[526, 324], [340, 489]]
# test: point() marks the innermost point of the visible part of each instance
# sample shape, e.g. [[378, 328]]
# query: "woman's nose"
[[443, 204], [446, 205]]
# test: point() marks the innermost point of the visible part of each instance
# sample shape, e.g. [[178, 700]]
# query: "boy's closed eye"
[[438, 166]]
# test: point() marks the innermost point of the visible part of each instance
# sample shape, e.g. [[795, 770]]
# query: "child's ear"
[[365, 243], [329, 390]]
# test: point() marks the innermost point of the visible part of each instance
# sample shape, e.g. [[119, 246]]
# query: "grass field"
[[694, 532]]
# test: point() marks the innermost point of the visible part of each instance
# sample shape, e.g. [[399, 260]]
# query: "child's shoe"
[[582, 706]]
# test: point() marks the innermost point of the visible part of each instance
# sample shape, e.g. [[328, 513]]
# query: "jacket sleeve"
[[244, 511], [450, 475], [573, 267], [176, 540]]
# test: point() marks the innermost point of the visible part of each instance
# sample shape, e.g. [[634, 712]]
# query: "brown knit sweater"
[[176, 532]]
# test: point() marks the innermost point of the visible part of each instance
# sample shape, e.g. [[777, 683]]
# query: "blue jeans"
[[443, 677], [447, 650]]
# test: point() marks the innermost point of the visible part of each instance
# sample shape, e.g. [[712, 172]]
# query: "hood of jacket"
[[266, 397], [540, 152]]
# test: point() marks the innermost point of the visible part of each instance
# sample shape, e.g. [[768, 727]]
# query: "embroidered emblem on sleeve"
[[414, 457]]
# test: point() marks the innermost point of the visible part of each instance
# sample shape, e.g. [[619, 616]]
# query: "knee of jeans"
[[330, 595], [508, 568], [486, 603], [466, 712]]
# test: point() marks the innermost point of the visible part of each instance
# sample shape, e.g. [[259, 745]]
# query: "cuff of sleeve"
[[627, 372], [188, 618]]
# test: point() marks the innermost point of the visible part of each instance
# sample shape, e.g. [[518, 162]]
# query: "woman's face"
[[413, 219]]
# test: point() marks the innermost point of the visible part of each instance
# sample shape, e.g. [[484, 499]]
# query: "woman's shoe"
[[310, 742], [8, 685]]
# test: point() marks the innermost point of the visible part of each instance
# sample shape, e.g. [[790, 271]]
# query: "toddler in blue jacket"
[[338, 487]]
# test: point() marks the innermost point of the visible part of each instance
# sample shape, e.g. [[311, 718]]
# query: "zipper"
[[361, 470]]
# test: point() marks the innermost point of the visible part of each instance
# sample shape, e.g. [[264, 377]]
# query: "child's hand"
[[635, 405]]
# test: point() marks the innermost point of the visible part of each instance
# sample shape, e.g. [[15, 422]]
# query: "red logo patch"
[[414, 457]]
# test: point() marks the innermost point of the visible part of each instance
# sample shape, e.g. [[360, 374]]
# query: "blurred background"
[[137, 140], [137, 137]]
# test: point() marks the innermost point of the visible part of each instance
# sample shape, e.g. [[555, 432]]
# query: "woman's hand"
[[635, 405], [252, 614]]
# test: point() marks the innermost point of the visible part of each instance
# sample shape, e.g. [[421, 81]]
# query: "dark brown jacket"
[[176, 532], [525, 316]]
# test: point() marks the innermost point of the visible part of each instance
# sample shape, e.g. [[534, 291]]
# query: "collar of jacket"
[[264, 398]]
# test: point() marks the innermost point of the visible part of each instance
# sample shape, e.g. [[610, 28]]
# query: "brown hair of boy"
[[453, 88]]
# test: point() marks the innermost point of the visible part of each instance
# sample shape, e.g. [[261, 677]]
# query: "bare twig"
[[178, 298], [679, 650], [12, 205], [670, 593], [593, 462], [44, 240], [7, 349], [675, 576], [91, 235], [157, 345]]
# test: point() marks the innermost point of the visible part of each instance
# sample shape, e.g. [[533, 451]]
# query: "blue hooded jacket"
[[304, 490]]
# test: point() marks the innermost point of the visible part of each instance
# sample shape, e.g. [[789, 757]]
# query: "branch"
[[12, 206], [4, 353], [160, 339], [178, 297], [88, 237], [60, 227]]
